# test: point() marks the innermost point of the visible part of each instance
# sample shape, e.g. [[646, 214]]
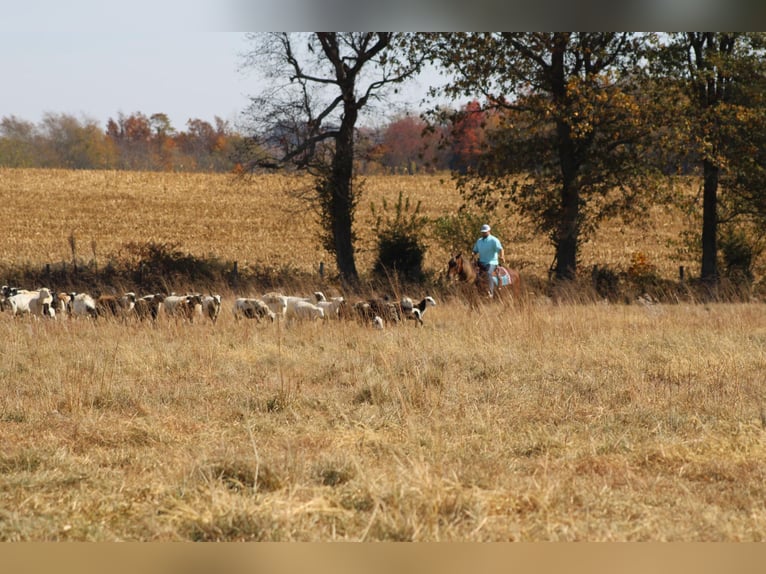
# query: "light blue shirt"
[[488, 248]]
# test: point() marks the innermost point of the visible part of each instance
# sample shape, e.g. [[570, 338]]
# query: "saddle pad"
[[503, 277]]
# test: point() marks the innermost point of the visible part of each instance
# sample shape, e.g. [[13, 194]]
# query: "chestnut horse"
[[460, 270]]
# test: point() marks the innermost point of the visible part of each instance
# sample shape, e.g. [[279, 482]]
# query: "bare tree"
[[318, 85]]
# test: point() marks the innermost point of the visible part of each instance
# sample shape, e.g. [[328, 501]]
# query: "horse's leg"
[[515, 283], [482, 282], [469, 294], [474, 298]]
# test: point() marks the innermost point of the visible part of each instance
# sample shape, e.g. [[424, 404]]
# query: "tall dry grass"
[[541, 422], [523, 422]]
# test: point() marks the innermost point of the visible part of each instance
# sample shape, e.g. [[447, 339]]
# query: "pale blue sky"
[[99, 58], [98, 73]]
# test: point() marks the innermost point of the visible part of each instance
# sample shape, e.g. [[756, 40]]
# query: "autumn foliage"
[[132, 142], [406, 144]]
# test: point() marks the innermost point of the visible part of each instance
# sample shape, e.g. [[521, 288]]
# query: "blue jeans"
[[489, 269]]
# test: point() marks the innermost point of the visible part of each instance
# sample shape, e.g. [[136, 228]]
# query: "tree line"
[[403, 144], [129, 142]]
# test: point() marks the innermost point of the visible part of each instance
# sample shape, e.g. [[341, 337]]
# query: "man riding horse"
[[490, 252]]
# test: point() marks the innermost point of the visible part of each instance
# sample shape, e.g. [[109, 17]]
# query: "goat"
[[211, 307], [319, 296], [416, 312], [110, 305], [171, 302], [148, 306], [386, 309], [41, 304], [298, 307], [183, 306], [252, 309], [276, 302], [291, 306], [82, 305], [332, 308], [6, 292], [301, 309], [61, 302], [19, 303], [37, 302], [365, 314]]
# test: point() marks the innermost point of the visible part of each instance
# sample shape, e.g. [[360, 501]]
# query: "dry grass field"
[[531, 421], [252, 222]]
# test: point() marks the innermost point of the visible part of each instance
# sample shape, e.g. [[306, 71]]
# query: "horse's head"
[[455, 266]]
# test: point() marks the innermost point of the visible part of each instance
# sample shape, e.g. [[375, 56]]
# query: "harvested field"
[[249, 222]]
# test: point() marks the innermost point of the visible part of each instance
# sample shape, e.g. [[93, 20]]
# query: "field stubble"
[[263, 221]]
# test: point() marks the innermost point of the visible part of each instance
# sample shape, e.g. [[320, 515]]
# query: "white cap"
[[485, 228]]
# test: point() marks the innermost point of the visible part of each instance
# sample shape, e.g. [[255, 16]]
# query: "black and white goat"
[[416, 312]]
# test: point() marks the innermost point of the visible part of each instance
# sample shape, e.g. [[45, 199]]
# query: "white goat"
[[82, 305], [302, 309], [41, 305], [38, 303], [332, 307], [171, 303], [19, 302], [293, 302], [276, 302], [292, 306]]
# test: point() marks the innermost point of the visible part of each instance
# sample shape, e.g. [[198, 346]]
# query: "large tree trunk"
[[567, 236], [566, 240], [343, 201], [709, 272]]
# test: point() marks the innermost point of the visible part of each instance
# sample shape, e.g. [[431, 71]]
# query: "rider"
[[488, 248]]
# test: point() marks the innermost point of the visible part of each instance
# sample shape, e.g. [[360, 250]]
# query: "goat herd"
[[376, 312]]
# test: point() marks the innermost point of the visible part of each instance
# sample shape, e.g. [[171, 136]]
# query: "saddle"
[[500, 276]]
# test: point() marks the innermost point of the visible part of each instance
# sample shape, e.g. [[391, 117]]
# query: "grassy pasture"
[[525, 422]]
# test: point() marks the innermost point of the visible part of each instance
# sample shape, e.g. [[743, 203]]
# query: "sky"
[[97, 58], [99, 74]]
